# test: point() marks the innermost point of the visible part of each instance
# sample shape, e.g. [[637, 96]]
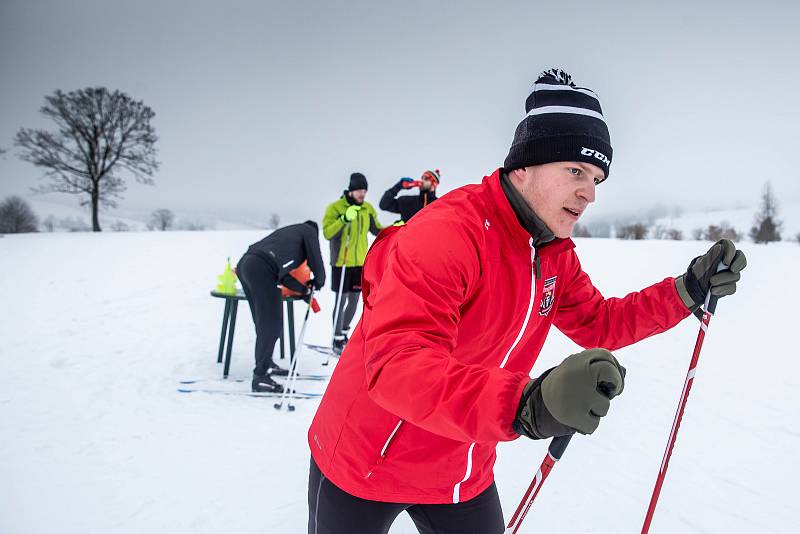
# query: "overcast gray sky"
[[268, 106]]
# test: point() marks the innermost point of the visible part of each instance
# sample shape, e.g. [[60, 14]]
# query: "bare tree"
[[74, 224], [722, 231], [581, 231], [2, 152], [100, 134], [633, 231], [161, 219], [192, 225], [767, 226], [274, 221], [697, 234], [120, 226], [17, 217], [673, 234], [49, 223]]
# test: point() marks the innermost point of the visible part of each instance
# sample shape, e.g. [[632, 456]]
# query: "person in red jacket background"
[[437, 371]]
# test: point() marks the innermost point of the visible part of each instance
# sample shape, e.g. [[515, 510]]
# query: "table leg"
[[225, 315], [234, 307]]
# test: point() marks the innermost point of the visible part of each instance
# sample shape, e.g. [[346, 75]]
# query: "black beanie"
[[563, 123], [357, 181]]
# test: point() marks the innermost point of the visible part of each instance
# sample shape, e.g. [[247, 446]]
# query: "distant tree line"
[[766, 227]]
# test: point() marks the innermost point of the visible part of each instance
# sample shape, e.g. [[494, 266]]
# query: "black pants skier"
[[347, 302], [260, 283], [333, 511]]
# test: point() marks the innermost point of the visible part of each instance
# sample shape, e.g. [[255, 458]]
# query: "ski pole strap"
[[558, 445]]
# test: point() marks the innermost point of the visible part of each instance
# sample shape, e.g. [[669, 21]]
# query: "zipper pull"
[[535, 259]]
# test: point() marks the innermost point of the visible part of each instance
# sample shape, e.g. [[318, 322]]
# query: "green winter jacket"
[[353, 234]]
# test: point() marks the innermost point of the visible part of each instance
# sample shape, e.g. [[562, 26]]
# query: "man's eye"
[[597, 181], [576, 172]]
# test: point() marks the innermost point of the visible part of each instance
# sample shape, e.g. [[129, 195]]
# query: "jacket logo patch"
[[486, 224], [548, 296]]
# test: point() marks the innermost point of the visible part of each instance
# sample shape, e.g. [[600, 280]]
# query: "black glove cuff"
[[533, 419], [693, 286]]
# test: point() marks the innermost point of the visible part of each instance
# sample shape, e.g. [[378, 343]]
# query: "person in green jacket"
[[345, 225]]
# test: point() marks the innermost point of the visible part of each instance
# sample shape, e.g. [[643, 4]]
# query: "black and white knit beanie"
[[563, 123]]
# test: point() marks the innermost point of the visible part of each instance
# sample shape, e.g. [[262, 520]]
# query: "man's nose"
[[587, 192]]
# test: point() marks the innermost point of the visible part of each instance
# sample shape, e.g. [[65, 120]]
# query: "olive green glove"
[[350, 213], [702, 277], [570, 397]]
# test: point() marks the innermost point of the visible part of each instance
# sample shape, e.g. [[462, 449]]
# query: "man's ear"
[[517, 176]]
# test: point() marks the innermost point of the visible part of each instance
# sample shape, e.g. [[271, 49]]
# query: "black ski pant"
[[334, 511], [260, 283], [346, 303]]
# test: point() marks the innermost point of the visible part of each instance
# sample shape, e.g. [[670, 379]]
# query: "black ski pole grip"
[[712, 299], [712, 304], [558, 445]]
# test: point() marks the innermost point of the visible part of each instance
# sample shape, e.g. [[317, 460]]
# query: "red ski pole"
[[554, 452], [708, 311]]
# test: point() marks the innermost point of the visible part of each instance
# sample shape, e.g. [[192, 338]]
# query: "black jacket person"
[[262, 270], [408, 205]]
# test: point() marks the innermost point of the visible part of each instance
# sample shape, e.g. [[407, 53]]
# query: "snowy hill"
[[98, 329]]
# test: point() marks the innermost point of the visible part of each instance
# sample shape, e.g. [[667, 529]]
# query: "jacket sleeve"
[[374, 225], [331, 222], [411, 319], [314, 257], [293, 284], [592, 321], [389, 199]]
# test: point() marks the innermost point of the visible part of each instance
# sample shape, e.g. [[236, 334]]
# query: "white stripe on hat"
[[565, 109], [562, 87]]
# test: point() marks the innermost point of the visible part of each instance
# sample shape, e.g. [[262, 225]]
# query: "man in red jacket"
[[437, 371]]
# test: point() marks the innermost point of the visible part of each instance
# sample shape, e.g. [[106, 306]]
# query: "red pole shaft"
[[554, 453], [687, 386]]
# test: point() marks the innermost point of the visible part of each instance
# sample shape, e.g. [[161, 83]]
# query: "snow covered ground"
[[97, 330]]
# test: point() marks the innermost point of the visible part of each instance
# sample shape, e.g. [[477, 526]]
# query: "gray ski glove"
[[570, 397], [702, 276]]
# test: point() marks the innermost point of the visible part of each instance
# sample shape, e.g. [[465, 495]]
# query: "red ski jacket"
[[454, 319]]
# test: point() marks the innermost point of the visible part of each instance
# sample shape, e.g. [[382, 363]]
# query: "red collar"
[[518, 236]]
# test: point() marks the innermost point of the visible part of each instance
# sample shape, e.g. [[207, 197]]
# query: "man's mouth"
[[573, 212]]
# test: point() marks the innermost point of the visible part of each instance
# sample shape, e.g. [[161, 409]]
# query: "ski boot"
[[275, 370], [339, 343], [264, 384]]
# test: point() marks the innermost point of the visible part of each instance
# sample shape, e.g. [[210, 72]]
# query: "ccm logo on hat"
[[599, 155]]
